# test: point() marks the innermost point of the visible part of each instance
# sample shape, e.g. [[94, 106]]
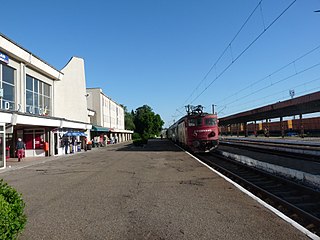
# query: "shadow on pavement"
[[154, 145]]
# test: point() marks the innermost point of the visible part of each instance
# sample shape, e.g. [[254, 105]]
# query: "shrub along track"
[[300, 203]]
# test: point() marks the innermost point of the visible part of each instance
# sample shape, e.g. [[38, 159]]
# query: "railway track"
[[300, 203], [288, 149]]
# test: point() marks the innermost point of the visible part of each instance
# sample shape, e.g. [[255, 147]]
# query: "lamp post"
[[292, 93]]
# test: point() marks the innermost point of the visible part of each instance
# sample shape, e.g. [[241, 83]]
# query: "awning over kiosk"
[[99, 129], [74, 134]]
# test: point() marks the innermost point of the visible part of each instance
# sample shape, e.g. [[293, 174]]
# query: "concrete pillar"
[[281, 127], [301, 126], [238, 129], [245, 128], [255, 132]]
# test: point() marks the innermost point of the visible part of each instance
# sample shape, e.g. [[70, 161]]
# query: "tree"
[[147, 123], [128, 119], [157, 124]]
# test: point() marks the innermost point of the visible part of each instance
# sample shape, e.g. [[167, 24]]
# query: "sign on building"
[[4, 58]]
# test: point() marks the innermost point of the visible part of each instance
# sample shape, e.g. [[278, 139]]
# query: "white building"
[[39, 103], [108, 121]]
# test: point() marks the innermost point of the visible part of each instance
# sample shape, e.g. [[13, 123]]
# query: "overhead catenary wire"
[[271, 74], [279, 99], [224, 51], [274, 83], [238, 56], [279, 92], [246, 49]]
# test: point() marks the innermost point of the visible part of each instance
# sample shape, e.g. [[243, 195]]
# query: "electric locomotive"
[[196, 131]]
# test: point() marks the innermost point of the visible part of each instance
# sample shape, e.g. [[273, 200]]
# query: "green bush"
[[139, 140], [136, 136], [12, 217]]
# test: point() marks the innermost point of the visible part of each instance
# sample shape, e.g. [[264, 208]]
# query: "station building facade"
[[108, 120], [39, 103]]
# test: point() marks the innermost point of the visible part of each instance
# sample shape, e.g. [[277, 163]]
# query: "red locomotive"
[[197, 131]]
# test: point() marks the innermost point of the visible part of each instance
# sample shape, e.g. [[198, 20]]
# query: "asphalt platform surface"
[[127, 192]]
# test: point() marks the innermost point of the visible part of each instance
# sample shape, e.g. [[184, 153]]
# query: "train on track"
[[308, 127], [197, 131]]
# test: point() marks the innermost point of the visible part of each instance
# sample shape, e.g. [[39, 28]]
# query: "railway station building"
[[39, 103], [108, 121]]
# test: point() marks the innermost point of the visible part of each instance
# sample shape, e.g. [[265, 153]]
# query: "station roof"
[[309, 103]]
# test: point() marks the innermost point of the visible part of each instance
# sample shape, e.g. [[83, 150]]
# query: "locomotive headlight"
[[212, 134], [196, 143]]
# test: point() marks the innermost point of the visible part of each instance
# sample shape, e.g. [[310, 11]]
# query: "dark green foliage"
[[148, 124], [145, 123], [136, 136], [128, 119], [12, 217]]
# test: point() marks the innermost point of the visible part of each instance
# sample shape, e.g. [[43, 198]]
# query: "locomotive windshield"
[[196, 122], [210, 121], [193, 122]]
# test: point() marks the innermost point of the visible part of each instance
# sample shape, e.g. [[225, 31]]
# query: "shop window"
[[7, 76], [34, 138], [38, 98]]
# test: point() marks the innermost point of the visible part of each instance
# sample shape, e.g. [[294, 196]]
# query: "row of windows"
[[38, 99], [108, 104]]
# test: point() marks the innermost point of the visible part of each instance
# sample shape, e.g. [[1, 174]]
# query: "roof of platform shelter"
[[309, 103]]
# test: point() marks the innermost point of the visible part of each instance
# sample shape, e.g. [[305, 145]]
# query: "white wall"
[[108, 113], [93, 101], [70, 99]]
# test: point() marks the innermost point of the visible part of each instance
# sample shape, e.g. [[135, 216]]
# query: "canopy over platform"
[[99, 129], [309, 103]]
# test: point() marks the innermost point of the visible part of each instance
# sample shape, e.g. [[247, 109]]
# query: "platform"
[[152, 192]]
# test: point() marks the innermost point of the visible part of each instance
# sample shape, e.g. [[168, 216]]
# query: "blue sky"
[[158, 52]]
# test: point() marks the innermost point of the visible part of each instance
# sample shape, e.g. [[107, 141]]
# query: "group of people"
[[70, 144], [98, 141]]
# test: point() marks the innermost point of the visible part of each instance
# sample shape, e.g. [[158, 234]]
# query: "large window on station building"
[[7, 86], [38, 98]]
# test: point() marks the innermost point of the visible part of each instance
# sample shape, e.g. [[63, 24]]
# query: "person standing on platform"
[[85, 146], [20, 149]]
